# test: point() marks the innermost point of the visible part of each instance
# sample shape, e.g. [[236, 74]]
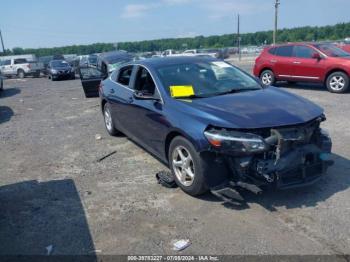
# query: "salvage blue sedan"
[[216, 126]]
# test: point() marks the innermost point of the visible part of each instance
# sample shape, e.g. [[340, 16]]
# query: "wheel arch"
[[103, 102], [170, 136], [266, 68], [333, 70]]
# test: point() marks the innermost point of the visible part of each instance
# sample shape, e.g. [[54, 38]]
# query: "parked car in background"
[[305, 62], [199, 52], [58, 57], [210, 123], [345, 45], [45, 60], [60, 69], [21, 67]]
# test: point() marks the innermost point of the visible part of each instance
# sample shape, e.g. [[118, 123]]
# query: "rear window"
[[20, 61], [285, 51]]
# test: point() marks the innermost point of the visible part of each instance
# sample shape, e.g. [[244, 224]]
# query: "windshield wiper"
[[191, 97], [236, 90]]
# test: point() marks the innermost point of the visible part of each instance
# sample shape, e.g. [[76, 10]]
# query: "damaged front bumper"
[[291, 157]]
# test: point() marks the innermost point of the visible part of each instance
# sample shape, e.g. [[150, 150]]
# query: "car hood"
[[268, 107]]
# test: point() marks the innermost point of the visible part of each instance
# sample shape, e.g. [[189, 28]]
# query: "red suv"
[[299, 62]]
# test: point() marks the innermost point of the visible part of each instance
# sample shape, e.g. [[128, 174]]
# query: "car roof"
[[173, 60]]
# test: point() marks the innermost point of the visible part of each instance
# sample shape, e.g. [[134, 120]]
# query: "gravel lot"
[[53, 190]]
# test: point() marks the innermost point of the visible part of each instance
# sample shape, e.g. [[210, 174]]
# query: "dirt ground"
[[55, 192]]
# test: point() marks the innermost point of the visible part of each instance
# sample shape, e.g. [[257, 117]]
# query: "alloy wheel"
[[183, 166], [337, 83], [266, 78], [108, 120]]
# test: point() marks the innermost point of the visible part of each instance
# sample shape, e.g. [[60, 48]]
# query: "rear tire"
[[108, 119], [20, 74], [267, 78], [187, 167], [337, 82]]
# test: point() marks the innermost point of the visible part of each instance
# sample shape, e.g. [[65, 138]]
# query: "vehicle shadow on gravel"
[[8, 92], [6, 114], [38, 216], [336, 180]]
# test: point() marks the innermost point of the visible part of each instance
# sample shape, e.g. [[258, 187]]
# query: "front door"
[[146, 117], [306, 67]]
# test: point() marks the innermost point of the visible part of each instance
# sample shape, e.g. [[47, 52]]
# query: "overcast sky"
[[48, 23]]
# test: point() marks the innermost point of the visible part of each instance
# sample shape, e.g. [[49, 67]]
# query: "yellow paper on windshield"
[[181, 91]]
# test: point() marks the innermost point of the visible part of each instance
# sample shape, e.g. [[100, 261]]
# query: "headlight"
[[238, 142], [54, 71]]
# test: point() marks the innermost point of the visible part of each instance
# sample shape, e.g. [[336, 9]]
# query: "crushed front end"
[[281, 157]]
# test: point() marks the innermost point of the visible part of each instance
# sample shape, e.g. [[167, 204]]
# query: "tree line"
[[307, 33]]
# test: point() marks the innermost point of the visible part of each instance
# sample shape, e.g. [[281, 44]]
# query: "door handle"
[[296, 62]]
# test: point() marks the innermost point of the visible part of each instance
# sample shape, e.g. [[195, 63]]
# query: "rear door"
[[121, 97], [306, 67], [91, 78], [283, 62]]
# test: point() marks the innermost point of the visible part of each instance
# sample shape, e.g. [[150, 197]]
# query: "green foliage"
[[307, 33]]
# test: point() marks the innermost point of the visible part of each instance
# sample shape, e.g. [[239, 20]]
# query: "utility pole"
[[277, 3], [238, 39], [2, 42]]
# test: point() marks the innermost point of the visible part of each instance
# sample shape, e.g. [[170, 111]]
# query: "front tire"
[[109, 124], [337, 82], [187, 167], [267, 78]]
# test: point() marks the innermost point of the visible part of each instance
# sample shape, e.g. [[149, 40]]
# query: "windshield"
[[207, 78], [332, 50], [59, 63]]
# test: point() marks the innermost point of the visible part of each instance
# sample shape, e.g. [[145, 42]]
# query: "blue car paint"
[[149, 122]]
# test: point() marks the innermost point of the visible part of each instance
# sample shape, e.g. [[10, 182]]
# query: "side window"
[[7, 62], [303, 51], [272, 51], [285, 51], [124, 75], [144, 82], [20, 61]]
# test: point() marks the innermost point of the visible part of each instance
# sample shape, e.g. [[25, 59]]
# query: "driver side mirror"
[[139, 95], [316, 56]]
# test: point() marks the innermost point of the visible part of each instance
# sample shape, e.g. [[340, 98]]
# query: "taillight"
[[29, 66]]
